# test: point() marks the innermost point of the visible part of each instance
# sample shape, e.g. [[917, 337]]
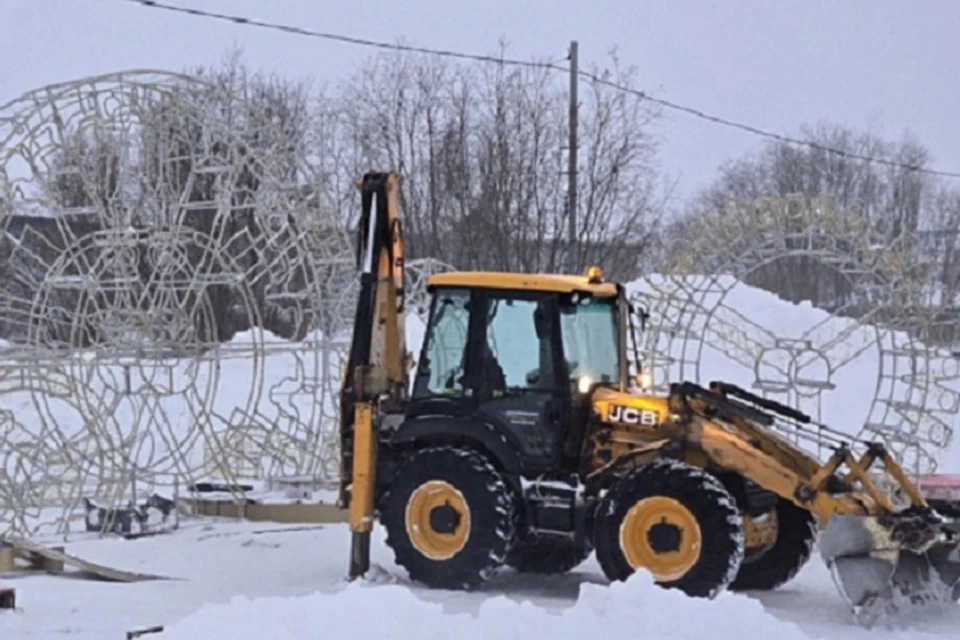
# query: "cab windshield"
[[590, 339]]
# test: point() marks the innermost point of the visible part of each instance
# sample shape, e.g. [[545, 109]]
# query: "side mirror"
[[543, 319], [540, 323]]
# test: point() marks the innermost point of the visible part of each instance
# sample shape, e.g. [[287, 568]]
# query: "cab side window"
[[442, 365], [515, 354]]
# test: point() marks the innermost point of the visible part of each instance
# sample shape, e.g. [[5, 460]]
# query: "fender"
[[603, 477], [452, 429]]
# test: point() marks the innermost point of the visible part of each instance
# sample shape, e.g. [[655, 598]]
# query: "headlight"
[[584, 383], [645, 380]]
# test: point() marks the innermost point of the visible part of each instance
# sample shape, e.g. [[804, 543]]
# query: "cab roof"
[[523, 281]]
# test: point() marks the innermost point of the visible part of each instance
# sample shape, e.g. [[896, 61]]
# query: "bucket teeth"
[[882, 565]]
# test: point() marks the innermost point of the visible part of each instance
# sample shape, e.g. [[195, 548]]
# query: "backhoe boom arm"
[[376, 375]]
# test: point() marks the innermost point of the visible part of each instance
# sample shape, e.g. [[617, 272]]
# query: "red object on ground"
[[941, 486], [8, 598]]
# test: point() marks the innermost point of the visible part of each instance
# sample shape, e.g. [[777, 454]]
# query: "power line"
[[761, 132], [347, 39], [545, 65]]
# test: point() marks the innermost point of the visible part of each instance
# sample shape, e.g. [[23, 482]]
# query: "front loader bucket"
[[888, 564]]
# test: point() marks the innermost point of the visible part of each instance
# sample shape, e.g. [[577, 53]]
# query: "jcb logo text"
[[629, 415]]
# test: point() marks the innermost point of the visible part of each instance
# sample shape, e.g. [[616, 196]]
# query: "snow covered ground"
[[246, 581]]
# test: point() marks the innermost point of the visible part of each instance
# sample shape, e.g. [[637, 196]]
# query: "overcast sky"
[[888, 66]]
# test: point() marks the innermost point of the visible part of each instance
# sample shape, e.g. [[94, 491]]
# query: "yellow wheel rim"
[[660, 535], [437, 520], [760, 534]]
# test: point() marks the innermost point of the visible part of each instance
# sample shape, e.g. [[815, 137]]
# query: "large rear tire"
[[796, 536], [674, 520], [548, 556], [449, 517]]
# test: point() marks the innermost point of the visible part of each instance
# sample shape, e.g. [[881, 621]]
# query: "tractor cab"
[[523, 354]]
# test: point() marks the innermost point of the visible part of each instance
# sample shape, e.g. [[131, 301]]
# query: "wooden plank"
[[216, 508], [46, 563], [8, 558], [309, 513], [291, 513], [56, 557]]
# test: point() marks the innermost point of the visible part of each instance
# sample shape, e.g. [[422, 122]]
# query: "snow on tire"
[[674, 520], [449, 517]]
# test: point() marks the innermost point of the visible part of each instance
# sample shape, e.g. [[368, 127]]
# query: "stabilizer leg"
[[364, 478], [359, 554]]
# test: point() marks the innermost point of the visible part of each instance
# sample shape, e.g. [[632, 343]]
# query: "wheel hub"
[[444, 519], [664, 537]]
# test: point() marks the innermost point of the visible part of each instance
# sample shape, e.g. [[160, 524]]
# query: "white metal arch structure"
[[173, 297], [870, 346]]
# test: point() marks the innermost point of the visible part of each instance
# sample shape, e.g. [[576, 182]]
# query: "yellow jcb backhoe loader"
[[523, 442]]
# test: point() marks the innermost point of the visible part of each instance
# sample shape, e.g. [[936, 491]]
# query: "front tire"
[[449, 517], [674, 520], [796, 535]]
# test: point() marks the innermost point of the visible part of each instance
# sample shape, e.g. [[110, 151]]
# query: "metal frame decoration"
[[176, 298], [883, 326]]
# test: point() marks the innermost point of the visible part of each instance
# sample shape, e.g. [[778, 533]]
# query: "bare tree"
[[240, 139], [211, 155], [896, 207], [942, 240], [233, 131], [480, 152], [889, 198], [85, 172]]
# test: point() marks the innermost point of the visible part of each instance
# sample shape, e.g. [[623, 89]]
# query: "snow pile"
[[628, 610], [726, 330]]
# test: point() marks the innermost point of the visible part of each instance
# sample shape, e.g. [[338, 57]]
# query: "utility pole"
[[572, 159]]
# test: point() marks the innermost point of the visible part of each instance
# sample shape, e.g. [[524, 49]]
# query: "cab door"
[[516, 365]]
